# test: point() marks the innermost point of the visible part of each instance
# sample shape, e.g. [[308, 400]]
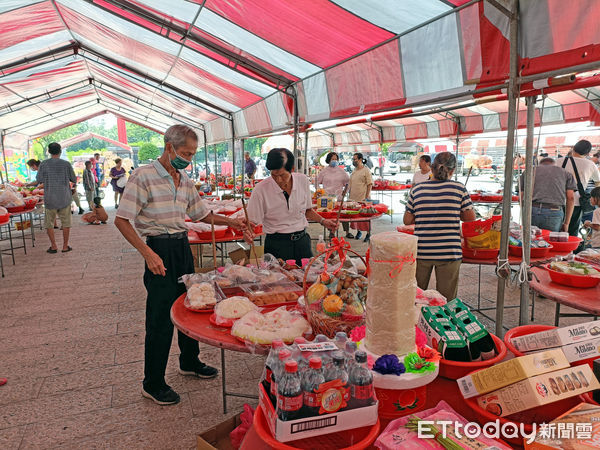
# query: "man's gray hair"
[[177, 135], [547, 160]]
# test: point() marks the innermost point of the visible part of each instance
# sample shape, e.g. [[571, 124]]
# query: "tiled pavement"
[[71, 334]]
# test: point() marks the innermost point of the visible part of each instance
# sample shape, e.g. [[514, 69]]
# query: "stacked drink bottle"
[[327, 381]]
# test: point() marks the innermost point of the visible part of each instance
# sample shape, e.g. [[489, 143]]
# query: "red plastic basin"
[[480, 253], [568, 279], [454, 370], [523, 330], [394, 403], [536, 252], [563, 247]]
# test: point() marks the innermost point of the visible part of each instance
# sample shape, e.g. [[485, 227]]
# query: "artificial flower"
[[429, 354], [389, 365], [358, 333], [370, 362], [415, 364], [420, 337]]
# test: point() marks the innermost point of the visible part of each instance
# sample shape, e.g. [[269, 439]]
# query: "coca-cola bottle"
[[340, 340], [278, 370], [289, 393], [311, 380], [276, 347], [337, 371], [350, 351], [361, 382], [324, 355]]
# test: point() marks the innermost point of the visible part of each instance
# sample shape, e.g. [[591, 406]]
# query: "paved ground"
[[71, 331]]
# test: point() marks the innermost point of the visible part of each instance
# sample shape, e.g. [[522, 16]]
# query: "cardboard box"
[[557, 337], [581, 433], [539, 390], [582, 350], [240, 253], [217, 437], [292, 430], [511, 371], [442, 334]]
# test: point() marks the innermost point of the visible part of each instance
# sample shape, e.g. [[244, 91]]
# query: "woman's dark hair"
[[88, 164], [280, 158], [33, 162], [443, 164], [330, 155], [426, 158], [595, 193], [361, 157], [118, 160], [583, 147]]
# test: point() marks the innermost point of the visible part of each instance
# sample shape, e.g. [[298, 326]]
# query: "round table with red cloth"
[[229, 237], [587, 300]]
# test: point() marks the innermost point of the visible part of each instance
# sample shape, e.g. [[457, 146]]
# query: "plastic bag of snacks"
[[482, 233]]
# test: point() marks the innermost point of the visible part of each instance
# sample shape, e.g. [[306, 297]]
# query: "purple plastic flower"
[[389, 365]]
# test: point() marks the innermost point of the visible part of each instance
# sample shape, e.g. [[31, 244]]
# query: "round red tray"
[[569, 246], [225, 323], [480, 253], [15, 209], [206, 235], [536, 252], [568, 279]]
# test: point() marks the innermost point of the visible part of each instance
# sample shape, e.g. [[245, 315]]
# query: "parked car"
[[389, 167]]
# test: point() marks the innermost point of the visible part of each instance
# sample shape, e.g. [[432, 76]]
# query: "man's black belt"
[[180, 235], [546, 205], [296, 236]]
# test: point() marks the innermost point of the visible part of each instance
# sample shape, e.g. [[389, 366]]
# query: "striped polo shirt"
[[436, 206], [155, 206]]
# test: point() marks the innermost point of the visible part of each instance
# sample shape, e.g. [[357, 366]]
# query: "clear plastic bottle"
[[340, 340], [321, 246], [276, 347], [325, 355], [361, 382], [337, 371], [289, 393], [284, 355], [350, 350], [311, 380]]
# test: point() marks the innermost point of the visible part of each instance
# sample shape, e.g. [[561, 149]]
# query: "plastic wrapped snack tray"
[[270, 294]]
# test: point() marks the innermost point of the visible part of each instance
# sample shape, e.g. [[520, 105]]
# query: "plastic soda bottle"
[[337, 371], [350, 350], [311, 380], [284, 355], [361, 382], [289, 393], [276, 347], [321, 246], [340, 340]]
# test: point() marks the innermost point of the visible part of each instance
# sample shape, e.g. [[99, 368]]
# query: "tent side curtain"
[[444, 57]]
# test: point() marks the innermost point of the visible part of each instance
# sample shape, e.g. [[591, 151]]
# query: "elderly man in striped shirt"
[[157, 198]]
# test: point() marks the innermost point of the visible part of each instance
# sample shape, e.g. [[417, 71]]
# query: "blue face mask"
[[333, 163], [179, 163]]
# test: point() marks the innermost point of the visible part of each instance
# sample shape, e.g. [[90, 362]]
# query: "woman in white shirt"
[[361, 183], [282, 203], [424, 172], [334, 178]]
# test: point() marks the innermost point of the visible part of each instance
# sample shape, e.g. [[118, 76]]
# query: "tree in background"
[[137, 133], [148, 151]]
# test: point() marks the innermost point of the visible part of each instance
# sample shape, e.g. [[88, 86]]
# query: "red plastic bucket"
[[394, 403], [524, 330], [454, 370], [358, 438], [545, 413]]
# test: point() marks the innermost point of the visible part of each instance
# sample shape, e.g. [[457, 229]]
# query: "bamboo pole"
[[214, 242], [252, 249]]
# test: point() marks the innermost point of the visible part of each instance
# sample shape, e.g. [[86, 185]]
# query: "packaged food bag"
[[482, 233]]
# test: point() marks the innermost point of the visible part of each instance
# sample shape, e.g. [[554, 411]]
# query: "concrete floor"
[[72, 335]]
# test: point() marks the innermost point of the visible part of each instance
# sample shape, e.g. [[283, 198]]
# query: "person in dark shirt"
[[250, 168]]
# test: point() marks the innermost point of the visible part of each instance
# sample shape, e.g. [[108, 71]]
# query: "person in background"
[[553, 196], [98, 214], [436, 208], [250, 167], [115, 173], [334, 178], [89, 184], [587, 171], [361, 183], [596, 158], [57, 176], [424, 172], [99, 169], [282, 203], [594, 224], [157, 198], [34, 165]]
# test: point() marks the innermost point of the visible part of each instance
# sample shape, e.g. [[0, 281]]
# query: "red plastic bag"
[[237, 435]]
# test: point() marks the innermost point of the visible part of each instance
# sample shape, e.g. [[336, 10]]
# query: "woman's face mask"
[[333, 163]]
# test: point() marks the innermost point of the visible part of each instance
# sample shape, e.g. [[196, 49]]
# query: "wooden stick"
[[214, 243], [468, 175], [337, 218], [252, 249]]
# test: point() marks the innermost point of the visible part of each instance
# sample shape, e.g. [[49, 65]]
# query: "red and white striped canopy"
[[211, 63]]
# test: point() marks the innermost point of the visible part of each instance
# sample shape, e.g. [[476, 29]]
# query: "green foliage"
[[138, 134], [38, 151], [385, 146], [148, 151], [253, 146], [86, 151]]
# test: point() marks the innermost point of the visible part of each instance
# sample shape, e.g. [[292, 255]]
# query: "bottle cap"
[[285, 353], [360, 356], [340, 335], [299, 340], [291, 366], [351, 346], [338, 357], [315, 363], [321, 338], [277, 343]]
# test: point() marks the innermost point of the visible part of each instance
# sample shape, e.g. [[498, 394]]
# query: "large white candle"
[[390, 315]]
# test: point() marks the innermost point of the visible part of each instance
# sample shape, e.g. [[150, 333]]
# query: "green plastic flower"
[[415, 364]]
